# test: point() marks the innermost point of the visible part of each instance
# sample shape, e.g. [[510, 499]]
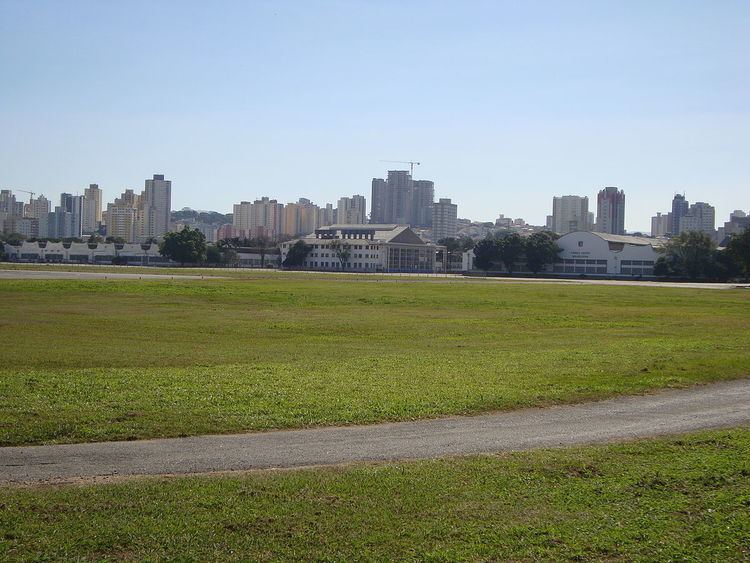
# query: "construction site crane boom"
[[31, 194], [411, 164]]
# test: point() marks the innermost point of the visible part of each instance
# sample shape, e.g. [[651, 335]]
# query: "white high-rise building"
[[122, 216], [92, 208], [661, 223], [699, 217], [156, 202], [263, 217], [570, 213], [444, 219], [352, 210]]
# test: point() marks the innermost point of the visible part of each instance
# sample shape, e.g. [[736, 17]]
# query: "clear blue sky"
[[506, 104]]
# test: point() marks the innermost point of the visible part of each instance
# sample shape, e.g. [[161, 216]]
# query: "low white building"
[[83, 253], [586, 252], [368, 248]]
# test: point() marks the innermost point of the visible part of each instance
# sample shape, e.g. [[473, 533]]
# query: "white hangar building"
[[585, 252]]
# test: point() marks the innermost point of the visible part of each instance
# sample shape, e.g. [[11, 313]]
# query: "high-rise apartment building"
[[352, 210], [122, 216], [9, 204], [661, 224], [570, 213], [422, 199], [72, 204], [92, 209], [37, 208], [327, 215], [262, 217], [378, 200], [679, 209], [699, 217], [610, 211], [156, 202], [444, 219], [300, 218], [401, 200]]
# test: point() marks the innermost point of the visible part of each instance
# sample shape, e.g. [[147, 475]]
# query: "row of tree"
[[694, 255], [505, 250]]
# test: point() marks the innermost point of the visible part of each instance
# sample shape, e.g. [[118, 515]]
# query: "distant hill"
[[209, 217]]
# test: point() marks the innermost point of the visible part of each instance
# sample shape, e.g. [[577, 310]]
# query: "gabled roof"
[[626, 239], [400, 234]]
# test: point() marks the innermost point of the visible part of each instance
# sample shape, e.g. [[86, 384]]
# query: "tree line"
[[694, 255], [506, 250]]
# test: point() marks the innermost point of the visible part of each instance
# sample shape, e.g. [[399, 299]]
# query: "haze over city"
[[504, 105]]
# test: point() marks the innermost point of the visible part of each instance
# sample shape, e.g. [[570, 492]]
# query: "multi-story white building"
[[83, 253], [444, 219], [606, 254], [367, 248], [570, 213], [699, 217], [156, 203]]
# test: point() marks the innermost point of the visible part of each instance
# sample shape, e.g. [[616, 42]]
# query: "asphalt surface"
[[68, 275], [359, 276], [709, 406]]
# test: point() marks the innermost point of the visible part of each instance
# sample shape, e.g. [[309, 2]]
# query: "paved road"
[[710, 406], [66, 275], [395, 278]]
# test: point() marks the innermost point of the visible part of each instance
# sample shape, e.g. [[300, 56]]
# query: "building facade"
[[699, 217], [352, 210], [570, 213], [444, 219], [661, 224], [610, 211], [367, 248]]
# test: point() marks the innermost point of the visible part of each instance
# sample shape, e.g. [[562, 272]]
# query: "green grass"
[[105, 360], [685, 498]]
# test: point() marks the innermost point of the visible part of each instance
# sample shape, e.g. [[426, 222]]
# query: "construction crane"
[[31, 194], [411, 164]]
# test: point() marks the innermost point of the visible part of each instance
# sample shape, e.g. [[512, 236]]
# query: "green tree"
[[689, 254], [487, 254], [214, 254], [95, 239], [342, 250], [297, 254], [511, 249], [738, 249], [115, 240], [540, 249], [452, 246], [187, 245], [261, 243]]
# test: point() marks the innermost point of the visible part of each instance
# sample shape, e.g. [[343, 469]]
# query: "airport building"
[[83, 253], [606, 254], [367, 248]]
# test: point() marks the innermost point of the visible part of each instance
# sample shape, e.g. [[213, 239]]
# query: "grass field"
[[685, 498], [104, 360]]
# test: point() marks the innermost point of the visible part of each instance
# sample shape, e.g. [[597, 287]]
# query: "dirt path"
[[709, 406]]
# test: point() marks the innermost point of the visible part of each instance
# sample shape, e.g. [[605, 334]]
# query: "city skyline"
[[652, 99]]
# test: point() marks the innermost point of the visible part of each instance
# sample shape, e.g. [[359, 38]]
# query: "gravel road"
[[674, 411]]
